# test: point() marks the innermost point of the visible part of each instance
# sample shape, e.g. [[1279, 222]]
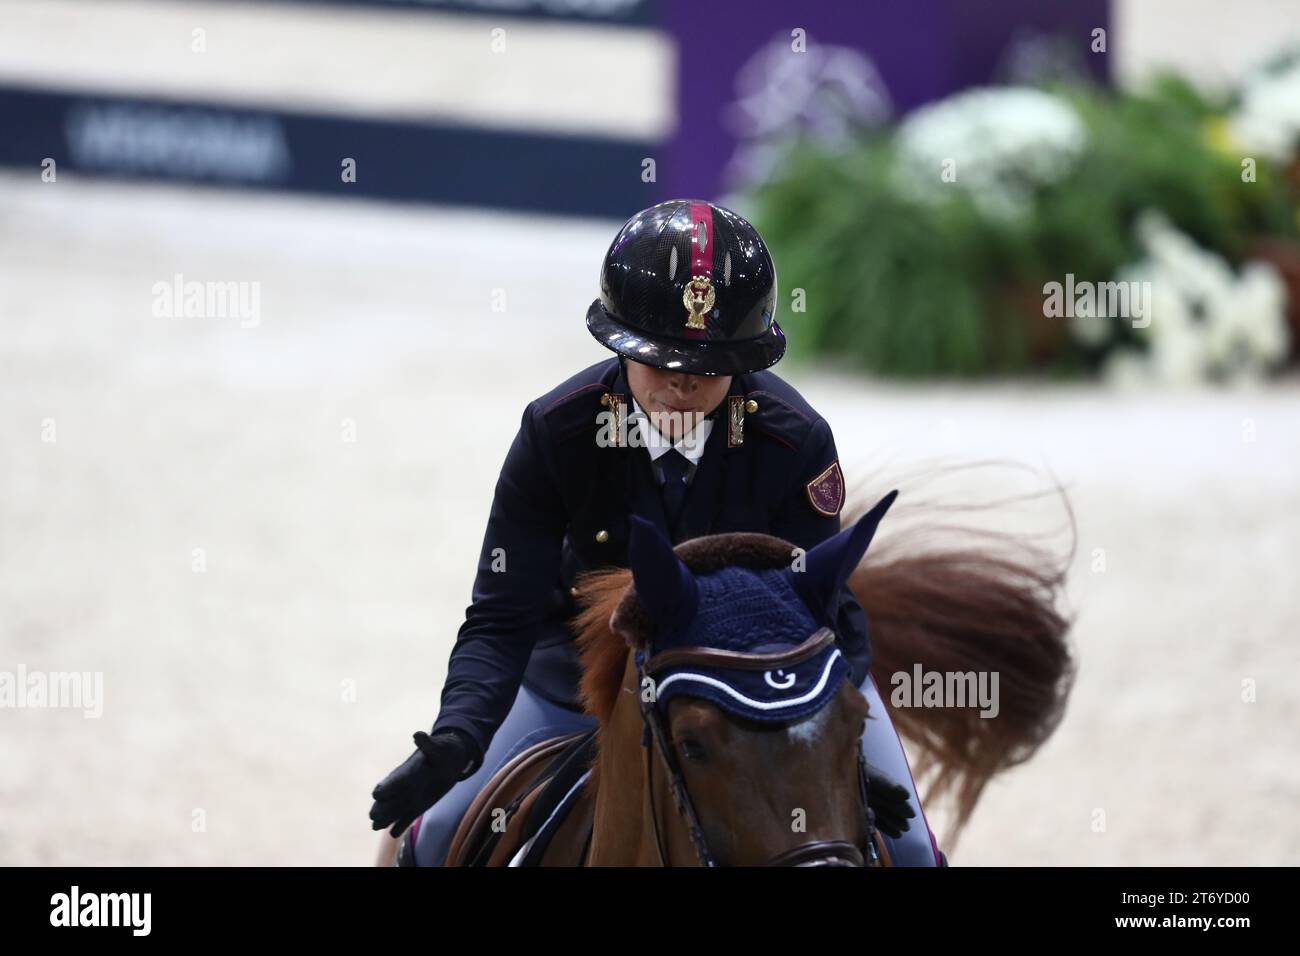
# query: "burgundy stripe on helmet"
[[701, 252]]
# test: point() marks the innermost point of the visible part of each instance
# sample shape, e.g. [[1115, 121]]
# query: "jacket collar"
[[704, 497]]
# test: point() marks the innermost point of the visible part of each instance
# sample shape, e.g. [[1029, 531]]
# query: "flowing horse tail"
[[960, 609]]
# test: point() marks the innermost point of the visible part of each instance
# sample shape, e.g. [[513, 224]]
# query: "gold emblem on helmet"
[[698, 297]]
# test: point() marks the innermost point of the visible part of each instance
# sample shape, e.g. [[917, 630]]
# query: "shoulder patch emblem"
[[826, 491]]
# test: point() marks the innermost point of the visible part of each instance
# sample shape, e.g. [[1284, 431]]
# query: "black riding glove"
[[439, 762], [889, 801]]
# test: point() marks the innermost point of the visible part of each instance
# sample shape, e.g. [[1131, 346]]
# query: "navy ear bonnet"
[[750, 612], [736, 608], [756, 642]]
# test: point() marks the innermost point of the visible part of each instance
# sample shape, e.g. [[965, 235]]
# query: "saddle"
[[525, 803]]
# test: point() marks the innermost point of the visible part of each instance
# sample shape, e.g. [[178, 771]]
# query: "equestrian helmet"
[[689, 286]]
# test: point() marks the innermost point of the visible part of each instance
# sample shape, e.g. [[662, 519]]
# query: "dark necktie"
[[675, 468]]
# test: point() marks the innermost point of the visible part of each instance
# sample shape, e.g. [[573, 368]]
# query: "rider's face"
[[675, 398]]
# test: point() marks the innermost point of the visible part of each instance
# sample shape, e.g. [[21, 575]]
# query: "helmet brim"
[[684, 355]]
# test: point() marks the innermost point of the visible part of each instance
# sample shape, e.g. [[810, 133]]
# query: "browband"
[[741, 660]]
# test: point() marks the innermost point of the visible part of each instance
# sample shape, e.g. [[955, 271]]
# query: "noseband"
[[815, 853]]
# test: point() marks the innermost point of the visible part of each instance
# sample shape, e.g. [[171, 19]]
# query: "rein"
[[815, 853]]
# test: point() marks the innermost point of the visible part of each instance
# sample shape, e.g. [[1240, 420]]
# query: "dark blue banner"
[[617, 12], [139, 138]]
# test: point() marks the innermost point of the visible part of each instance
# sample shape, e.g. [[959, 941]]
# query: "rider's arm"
[[795, 519], [512, 590]]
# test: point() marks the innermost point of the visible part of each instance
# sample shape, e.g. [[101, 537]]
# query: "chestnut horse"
[[694, 780]]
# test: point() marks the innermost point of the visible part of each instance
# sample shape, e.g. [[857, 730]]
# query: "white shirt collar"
[[691, 445]]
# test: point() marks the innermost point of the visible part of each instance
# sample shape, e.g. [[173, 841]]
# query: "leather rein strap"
[[817, 853], [676, 785]]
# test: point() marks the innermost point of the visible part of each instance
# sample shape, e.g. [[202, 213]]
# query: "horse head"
[[729, 732]]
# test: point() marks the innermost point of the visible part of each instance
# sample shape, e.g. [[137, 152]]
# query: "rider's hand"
[[889, 801], [439, 762]]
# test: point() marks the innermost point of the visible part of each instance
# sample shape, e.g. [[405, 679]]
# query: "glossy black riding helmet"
[[689, 286]]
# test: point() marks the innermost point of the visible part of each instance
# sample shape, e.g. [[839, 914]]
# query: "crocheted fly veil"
[[761, 606]]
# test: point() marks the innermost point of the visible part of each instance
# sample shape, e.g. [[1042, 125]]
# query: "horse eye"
[[690, 750]]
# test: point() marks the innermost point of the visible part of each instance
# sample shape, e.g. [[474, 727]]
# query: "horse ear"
[[828, 565], [665, 586]]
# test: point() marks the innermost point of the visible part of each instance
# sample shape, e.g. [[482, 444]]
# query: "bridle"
[[655, 739]]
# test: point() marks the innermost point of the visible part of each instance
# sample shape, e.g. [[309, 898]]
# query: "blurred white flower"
[[1263, 300], [1191, 268], [1179, 360], [1267, 121], [1088, 325], [999, 143], [1207, 322]]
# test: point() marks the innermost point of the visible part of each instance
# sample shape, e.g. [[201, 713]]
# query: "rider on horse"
[[687, 303]]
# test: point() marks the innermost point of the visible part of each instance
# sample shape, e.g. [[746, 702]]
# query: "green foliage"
[[910, 285]]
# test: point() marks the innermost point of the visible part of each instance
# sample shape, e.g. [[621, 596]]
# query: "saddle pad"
[[572, 767], [551, 787]]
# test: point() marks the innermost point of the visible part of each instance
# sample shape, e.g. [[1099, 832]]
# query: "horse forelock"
[[612, 621]]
